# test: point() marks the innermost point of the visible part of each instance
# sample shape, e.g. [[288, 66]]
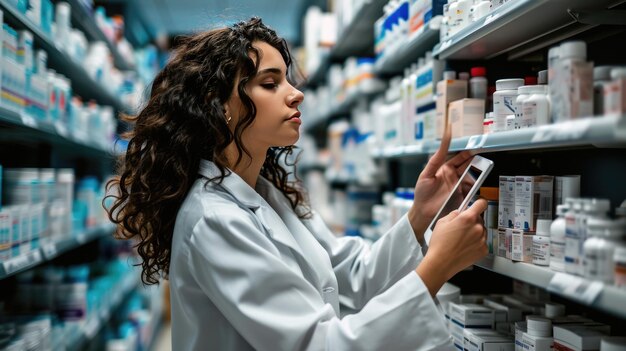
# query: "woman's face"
[[277, 121]]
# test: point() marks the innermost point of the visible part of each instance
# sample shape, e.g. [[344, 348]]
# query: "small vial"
[[541, 243], [619, 274]]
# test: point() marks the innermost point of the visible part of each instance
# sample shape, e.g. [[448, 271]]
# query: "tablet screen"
[[462, 193]]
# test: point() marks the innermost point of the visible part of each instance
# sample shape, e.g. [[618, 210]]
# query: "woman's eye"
[[269, 85]]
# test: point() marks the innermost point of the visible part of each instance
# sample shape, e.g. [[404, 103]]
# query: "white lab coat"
[[246, 273]]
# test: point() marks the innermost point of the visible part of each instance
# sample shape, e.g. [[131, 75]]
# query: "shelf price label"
[[567, 131], [18, 263], [575, 288], [28, 120], [476, 141]]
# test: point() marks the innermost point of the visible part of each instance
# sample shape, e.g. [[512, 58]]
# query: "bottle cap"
[[543, 227], [478, 71], [605, 228], [464, 76], [530, 80], [554, 53], [597, 205], [602, 72], [554, 310], [538, 326], [573, 49], [449, 75], [507, 84], [617, 73], [561, 209], [525, 89]]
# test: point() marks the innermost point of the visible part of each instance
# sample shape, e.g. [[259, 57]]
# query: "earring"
[[228, 118]]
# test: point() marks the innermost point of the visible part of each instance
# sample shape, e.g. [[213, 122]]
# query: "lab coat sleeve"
[[364, 271], [274, 308]]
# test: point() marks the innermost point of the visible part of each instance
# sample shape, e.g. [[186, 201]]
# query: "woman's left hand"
[[435, 183]]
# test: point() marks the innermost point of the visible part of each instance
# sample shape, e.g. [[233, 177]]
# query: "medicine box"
[[506, 201], [511, 313], [468, 315], [521, 246], [533, 200], [615, 97], [448, 90], [466, 117], [576, 337]]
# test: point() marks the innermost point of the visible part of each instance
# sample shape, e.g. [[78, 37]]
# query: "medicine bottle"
[[523, 93], [478, 83], [536, 108], [538, 335], [619, 274], [503, 100], [601, 77], [557, 240], [541, 243], [605, 235]]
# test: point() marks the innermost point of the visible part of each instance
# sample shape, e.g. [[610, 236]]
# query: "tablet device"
[[464, 190]]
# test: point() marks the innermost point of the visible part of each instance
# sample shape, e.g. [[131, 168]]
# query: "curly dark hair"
[[183, 122]]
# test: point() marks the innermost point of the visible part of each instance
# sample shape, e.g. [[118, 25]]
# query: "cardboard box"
[[466, 117], [448, 90], [506, 202], [533, 200]]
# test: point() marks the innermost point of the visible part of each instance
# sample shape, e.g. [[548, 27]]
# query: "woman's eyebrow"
[[270, 70]]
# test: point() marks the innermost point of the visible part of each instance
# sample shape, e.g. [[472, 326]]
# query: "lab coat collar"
[[233, 184]]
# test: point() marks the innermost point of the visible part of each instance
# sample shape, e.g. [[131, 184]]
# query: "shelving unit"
[[516, 24], [607, 131], [85, 21], [423, 40], [22, 126], [97, 319], [609, 299], [51, 250], [83, 84]]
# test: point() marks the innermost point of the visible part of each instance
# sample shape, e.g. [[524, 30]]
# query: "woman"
[[250, 266]]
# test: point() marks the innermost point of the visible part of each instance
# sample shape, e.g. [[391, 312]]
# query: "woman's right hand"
[[458, 241]]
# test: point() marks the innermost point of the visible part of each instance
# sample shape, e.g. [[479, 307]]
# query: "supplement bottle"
[[557, 240], [599, 248], [503, 101], [541, 243], [536, 108]]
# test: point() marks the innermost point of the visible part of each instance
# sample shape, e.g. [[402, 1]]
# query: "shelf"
[[514, 24], [606, 131], [49, 251], [610, 299], [318, 77], [97, 319], [82, 84], [357, 38], [24, 127], [416, 47], [86, 22]]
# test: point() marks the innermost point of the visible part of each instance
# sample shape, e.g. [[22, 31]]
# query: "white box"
[[521, 246], [448, 90], [506, 202], [615, 97], [576, 337], [466, 117], [533, 200], [469, 315], [512, 313], [491, 343]]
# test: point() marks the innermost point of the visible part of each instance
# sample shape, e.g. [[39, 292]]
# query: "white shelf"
[[82, 84], [416, 47], [56, 134], [611, 299], [50, 250], [514, 24], [606, 131]]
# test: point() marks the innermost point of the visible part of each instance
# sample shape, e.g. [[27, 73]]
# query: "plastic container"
[[536, 107], [478, 83], [523, 93], [553, 310], [599, 248], [619, 274], [503, 101], [541, 243], [557, 240], [538, 326]]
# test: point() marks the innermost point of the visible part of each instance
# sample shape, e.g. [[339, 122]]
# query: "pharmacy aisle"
[[534, 86], [65, 283]]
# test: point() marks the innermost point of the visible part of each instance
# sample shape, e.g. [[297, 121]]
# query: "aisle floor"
[[164, 341]]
